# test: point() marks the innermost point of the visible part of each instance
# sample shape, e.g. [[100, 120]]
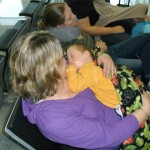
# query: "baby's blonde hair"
[[82, 47]]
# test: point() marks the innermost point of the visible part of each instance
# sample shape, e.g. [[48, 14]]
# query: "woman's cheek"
[[65, 63], [63, 67]]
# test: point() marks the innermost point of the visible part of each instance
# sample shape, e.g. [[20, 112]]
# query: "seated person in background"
[[133, 53], [112, 23], [38, 70]]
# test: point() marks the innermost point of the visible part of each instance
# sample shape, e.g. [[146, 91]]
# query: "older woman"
[[38, 69]]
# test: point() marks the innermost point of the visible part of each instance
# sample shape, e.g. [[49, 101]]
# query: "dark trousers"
[[112, 39], [132, 52]]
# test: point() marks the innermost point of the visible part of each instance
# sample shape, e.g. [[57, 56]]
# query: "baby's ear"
[[87, 53]]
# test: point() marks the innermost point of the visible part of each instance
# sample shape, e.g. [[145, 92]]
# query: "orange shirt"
[[90, 76]]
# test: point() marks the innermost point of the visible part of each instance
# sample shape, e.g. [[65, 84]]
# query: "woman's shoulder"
[[47, 110], [49, 105], [65, 34]]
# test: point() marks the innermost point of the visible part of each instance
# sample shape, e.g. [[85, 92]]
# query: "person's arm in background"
[[84, 25]]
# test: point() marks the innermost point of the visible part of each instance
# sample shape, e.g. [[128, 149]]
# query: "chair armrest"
[[37, 1], [29, 9], [2, 97], [7, 38]]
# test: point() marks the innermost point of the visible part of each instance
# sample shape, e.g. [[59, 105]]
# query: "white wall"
[[11, 8], [132, 2]]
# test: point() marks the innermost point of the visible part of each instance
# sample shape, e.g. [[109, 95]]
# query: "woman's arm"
[[84, 25], [89, 134], [70, 126], [109, 69], [79, 131], [144, 111], [103, 59]]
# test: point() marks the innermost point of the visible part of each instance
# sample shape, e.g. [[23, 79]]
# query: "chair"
[[28, 135], [6, 41], [25, 133], [124, 5], [29, 9], [34, 10], [2, 97]]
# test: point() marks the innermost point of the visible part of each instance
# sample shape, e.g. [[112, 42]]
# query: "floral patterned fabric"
[[129, 89]]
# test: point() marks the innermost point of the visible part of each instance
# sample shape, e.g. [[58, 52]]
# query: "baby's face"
[[75, 57]]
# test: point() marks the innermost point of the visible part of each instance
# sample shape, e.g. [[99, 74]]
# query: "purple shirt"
[[81, 121]]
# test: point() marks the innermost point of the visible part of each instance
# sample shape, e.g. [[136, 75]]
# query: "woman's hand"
[[142, 113], [146, 18], [102, 45], [118, 29], [146, 103], [109, 69]]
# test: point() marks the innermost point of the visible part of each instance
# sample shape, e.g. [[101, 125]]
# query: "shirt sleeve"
[[78, 81], [87, 133]]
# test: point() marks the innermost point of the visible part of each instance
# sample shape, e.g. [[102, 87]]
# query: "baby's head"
[[79, 54]]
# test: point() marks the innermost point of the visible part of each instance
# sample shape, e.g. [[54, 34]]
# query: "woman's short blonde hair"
[[34, 63]]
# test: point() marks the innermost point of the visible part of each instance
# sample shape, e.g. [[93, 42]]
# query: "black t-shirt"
[[83, 9]]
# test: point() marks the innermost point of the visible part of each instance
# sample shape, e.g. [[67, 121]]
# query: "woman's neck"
[[63, 92]]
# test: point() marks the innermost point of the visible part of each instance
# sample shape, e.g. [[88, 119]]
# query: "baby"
[[83, 73]]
